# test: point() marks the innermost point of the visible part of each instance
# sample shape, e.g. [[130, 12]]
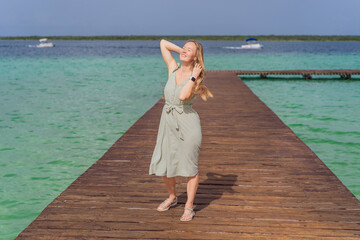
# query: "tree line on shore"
[[196, 37]]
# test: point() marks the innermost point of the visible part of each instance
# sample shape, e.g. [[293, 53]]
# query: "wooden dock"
[[258, 180], [306, 73]]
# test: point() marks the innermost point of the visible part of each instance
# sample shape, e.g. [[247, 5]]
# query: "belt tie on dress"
[[179, 108]]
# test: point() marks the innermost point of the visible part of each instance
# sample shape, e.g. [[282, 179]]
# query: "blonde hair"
[[200, 87]]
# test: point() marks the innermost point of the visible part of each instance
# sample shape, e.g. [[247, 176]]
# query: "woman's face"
[[188, 52]]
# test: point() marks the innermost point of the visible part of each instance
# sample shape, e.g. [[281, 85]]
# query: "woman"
[[179, 135]]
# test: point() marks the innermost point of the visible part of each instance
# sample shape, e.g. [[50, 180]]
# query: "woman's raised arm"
[[166, 47]]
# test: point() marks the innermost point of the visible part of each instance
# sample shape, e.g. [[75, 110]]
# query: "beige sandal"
[[185, 215], [163, 206]]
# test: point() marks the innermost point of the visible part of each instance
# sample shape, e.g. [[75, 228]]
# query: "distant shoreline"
[[197, 37]]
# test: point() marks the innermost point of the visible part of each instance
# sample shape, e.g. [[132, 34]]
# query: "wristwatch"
[[193, 79]]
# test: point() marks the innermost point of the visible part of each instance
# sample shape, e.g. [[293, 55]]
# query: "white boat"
[[45, 43], [251, 43]]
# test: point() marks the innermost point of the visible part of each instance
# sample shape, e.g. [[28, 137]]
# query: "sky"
[[186, 17]]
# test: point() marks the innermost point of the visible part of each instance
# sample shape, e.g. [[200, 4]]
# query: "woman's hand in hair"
[[196, 70]]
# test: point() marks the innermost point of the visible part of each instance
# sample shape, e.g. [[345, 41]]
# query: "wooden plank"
[[258, 180]]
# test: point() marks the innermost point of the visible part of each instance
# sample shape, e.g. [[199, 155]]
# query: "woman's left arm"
[[187, 88]]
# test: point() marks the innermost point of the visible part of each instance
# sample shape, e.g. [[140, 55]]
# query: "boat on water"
[[251, 43], [45, 43]]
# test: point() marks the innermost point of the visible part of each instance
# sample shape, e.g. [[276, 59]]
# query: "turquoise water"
[[58, 116], [325, 115], [61, 112]]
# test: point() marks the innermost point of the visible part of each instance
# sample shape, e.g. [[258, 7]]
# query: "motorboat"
[[45, 43], [251, 43]]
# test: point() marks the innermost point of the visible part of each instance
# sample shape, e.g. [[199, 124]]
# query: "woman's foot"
[[166, 204], [188, 214]]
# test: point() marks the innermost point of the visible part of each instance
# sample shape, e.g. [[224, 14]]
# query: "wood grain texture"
[[258, 180]]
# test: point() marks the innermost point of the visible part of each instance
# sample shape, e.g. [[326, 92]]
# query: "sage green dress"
[[179, 135]]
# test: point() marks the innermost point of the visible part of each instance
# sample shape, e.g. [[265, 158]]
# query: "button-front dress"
[[179, 135]]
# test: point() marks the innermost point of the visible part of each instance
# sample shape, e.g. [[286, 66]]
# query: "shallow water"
[[62, 108], [325, 115]]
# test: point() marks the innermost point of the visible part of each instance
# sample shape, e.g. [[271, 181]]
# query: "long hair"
[[200, 87]]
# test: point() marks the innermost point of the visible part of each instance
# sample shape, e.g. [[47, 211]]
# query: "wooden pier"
[[306, 73], [258, 180]]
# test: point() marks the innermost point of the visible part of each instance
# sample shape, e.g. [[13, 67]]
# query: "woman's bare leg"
[[192, 185], [170, 185]]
